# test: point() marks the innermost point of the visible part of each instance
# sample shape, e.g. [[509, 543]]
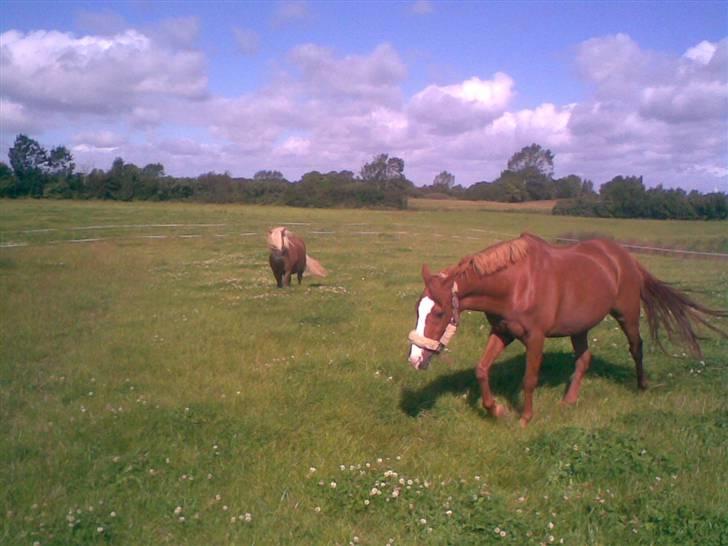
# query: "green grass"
[[155, 387]]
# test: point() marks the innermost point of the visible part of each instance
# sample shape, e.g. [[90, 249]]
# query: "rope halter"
[[436, 345]]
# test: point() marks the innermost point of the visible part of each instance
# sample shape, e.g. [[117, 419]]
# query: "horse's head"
[[437, 318]]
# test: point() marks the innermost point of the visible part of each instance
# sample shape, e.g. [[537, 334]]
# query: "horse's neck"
[[479, 293]]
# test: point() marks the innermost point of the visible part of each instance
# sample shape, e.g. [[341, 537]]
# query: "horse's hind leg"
[[580, 342], [630, 324], [299, 275]]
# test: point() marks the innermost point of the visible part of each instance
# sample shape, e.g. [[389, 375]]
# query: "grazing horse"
[[288, 256], [530, 290]]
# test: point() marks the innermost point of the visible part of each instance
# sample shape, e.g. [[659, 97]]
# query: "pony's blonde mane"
[[496, 257], [277, 239]]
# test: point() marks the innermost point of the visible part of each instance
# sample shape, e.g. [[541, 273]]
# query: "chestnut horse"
[[288, 256], [530, 290]]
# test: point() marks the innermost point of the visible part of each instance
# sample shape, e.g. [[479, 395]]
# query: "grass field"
[[156, 388], [423, 203]]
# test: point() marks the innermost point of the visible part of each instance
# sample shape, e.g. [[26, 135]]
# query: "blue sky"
[[610, 87]]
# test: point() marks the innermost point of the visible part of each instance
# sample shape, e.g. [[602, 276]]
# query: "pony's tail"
[[314, 267], [674, 311]]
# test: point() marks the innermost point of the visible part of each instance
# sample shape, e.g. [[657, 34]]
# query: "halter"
[[435, 345]]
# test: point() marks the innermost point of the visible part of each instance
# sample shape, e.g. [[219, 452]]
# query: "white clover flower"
[[366, 502], [423, 521], [333, 485], [550, 525], [448, 513], [178, 510], [317, 509], [502, 534], [248, 517]]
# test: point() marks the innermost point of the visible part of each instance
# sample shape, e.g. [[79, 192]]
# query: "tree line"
[[380, 183]]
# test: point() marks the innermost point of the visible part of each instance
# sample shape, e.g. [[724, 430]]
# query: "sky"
[[611, 88]]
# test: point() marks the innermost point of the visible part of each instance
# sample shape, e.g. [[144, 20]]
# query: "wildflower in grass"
[[317, 509], [181, 519], [550, 525], [333, 485], [423, 521], [448, 513], [366, 502], [178, 510], [232, 519], [248, 517], [502, 534], [112, 514]]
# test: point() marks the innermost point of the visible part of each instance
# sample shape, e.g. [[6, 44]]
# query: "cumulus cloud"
[[58, 72], [422, 7], [645, 113], [651, 113], [247, 40], [464, 106], [291, 11], [372, 77]]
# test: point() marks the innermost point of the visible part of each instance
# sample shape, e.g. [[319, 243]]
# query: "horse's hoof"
[[568, 401], [498, 411], [524, 422]]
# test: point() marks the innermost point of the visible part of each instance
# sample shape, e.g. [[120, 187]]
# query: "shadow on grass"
[[506, 380]]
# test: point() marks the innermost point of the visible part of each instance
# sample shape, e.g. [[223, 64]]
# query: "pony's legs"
[[299, 275], [287, 278], [630, 324], [580, 342], [534, 357], [495, 346]]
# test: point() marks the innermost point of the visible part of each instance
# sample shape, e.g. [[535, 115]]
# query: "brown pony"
[[530, 290], [288, 256]]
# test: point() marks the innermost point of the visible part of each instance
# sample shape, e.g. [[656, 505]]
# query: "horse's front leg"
[[534, 357], [495, 346]]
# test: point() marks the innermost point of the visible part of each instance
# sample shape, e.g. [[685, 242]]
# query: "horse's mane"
[[277, 238], [496, 257]]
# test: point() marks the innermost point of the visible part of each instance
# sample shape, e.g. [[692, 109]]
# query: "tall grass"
[[156, 387]]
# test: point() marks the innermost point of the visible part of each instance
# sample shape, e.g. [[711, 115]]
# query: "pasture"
[[157, 388]]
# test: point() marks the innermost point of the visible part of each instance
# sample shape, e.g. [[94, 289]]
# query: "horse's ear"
[[426, 275]]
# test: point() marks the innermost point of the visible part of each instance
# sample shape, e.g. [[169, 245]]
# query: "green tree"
[[28, 160], [8, 181], [533, 158], [624, 196], [443, 181]]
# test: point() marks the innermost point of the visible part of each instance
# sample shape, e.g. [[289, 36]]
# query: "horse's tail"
[[675, 312], [277, 239], [314, 267]]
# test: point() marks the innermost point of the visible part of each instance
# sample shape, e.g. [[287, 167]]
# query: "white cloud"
[[58, 72], [646, 113], [373, 77], [291, 11], [460, 107], [247, 40], [422, 7]]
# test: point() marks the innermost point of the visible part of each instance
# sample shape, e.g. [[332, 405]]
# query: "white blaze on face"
[[423, 310]]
